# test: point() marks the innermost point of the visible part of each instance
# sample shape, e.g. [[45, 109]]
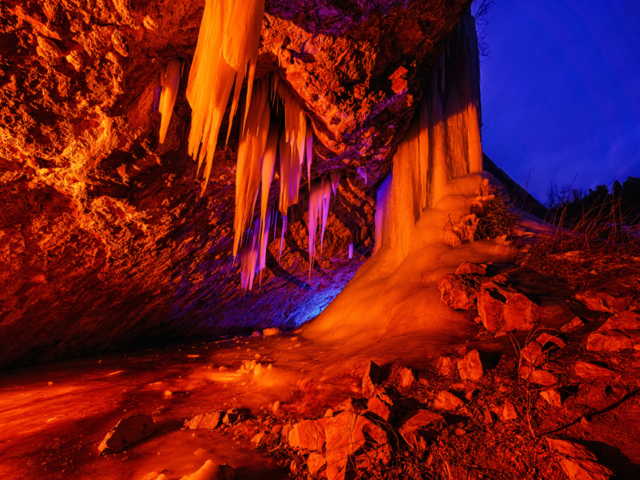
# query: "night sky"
[[561, 91]]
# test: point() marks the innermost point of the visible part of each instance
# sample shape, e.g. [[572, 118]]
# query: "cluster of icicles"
[[227, 48], [443, 143]]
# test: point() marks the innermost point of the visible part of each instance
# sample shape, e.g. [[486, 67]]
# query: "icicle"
[[284, 231], [251, 151], [326, 200], [228, 42], [170, 82], [292, 149], [315, 210], [335, 180], [268, 164], [351, 250], [249, 258], [309, 151], [383, 206], [362, 171], [264, 242]]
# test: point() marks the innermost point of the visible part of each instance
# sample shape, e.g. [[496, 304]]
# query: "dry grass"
[[496, 217], [595, 248]]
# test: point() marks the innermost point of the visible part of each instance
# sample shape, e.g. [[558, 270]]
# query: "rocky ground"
[[562, 403], [544, 384]]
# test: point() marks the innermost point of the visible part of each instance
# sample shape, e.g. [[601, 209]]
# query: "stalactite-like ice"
[[284, 231], [249, 257], [309, 151], [293, 141], [170, 82], [251, 151], [442, 143], [227, 45], [335, 180], [319, 200], [351, 250]]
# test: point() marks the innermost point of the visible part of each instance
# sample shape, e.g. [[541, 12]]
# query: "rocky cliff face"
[[104, 240]]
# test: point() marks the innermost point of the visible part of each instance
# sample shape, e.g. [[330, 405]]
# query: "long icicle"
[[251, 151], [228, 43], [170, 81]]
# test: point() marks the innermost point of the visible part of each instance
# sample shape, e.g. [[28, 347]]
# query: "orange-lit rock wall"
[[104, 240]]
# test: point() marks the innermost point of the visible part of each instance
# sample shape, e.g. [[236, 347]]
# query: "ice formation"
[[442, 143], [170, 81], [211, 471], [293, 141], [423, 207], [227, 47], [319, 203], [251, 151]]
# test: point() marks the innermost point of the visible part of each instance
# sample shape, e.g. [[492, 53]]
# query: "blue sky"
[[561, 91]]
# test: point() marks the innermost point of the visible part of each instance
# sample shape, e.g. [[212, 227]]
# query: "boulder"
[[577, 462], [371, 379], [208, 421], [128, 431], [552, 396], [356, 405], [379, 408], [444, 365], [542, 377], [347, 435], [602, 301], [626, 320], [406, 377], [459, 291], [308, 435], [447, 401], [608, 341], [572, 326], [472, 268], [472, 366], [212, 471], [532, 354], [508, 412], [588, 370], [504, 309], [315, 463], [416, 428]]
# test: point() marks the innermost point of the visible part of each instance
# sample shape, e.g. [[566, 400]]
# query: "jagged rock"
[[270, 332], [602, 301], [357, 405], [503, 308], [444, 365], [346, 435], [379, 407], [572, 326], [418, 427], [315, 463], [459, 291], [542, 377], [473, 268], [406, 377], [233, 416], [552, 396], [508, 412], [577, 462], [626, 320], [591, 371], [209, 421], [608, 341], [533, 354], [447, 401], [472, 366], [370, 379], [128, 431], [308, 435]]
